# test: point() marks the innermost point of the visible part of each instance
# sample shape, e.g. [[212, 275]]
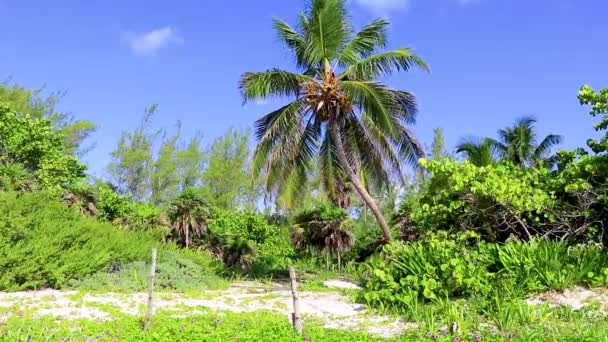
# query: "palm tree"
[[325, 228], [480, 152], [188, 216], [518, 144], [338, 109]]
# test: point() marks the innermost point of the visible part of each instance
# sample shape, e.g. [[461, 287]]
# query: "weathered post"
[[295, 316], [151, 291]]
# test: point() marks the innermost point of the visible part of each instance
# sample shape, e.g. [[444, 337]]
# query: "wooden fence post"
[[151, 291], [295, 316]]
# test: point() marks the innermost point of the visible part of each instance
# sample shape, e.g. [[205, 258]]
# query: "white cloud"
[[148, 43], [383, 7]]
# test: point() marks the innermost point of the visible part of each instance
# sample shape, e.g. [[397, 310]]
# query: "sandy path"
[[335, 309]]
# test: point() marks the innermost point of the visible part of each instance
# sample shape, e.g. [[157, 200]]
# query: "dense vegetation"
[[464, 240]]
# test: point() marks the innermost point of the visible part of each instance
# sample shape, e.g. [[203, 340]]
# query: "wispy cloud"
[[384, 7], [149, 43]]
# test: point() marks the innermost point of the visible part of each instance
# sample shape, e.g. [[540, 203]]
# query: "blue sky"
[[492, 60]]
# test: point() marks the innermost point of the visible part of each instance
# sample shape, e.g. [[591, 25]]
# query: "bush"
[[502, 200], [249, 236], [465, 266], [176, 270], [428, 268], [552, 265], [45, 244]]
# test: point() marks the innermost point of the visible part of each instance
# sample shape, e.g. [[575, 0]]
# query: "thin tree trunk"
[[295, 316], [151, 291], [354, 179]]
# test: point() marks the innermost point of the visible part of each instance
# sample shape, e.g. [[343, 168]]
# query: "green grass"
[[531, 324]]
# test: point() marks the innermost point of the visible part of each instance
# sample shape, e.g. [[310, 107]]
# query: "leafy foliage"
[[132, 160], [465, 266], [188, 215], [516, 144], [227, 181], [176, 270], [599, 102], [45, 244], [31, 102], [38, 149], [247, 240], [497, 200], [324, 229]]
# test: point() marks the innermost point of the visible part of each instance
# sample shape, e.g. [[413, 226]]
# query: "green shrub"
[[367, 241], [552, 265], [428, 268], [45, 244], [270, 245], [467, 267], [176, 270]]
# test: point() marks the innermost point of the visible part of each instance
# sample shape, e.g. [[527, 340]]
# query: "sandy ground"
[[575, 298], [335, 309]]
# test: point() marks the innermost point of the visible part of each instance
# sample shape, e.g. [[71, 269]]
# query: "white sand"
[[336, 310]]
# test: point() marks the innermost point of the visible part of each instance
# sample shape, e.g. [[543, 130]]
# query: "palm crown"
[[339, 111], [517, 144]]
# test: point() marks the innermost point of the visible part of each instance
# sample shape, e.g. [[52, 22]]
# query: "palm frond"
[[294, 41], [406, 107], [479, 152], [329, 168], [271, 128], [410, 149], [370, 155], [374, 99], [383, 145], [271, 83], [291, 159], [365, 42], [326, 30], [547, 144], [384, 64]]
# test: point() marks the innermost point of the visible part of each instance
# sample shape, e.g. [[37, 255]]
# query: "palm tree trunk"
[[339, 266], [334, 130]]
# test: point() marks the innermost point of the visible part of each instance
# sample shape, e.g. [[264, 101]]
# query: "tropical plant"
[[188, 216], [247, 240], [518, 144], [14, 177], [31, 102], [38, 150], [479, 152], [324, 229], [599, 102], [339, 109], [45, 244]]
